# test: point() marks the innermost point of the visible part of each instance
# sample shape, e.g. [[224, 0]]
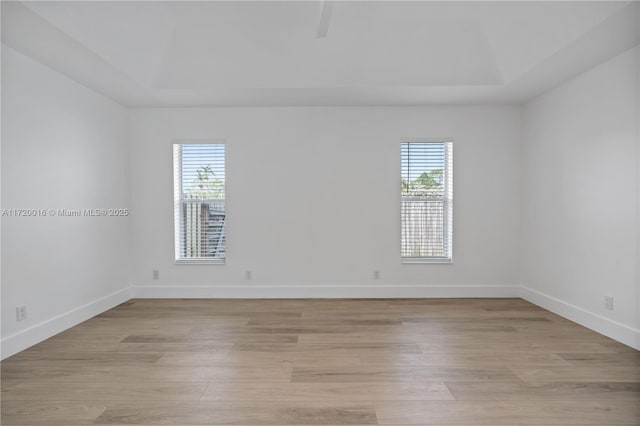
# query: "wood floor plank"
[[466, 359], [513, 345], [405, 337], [212, 338], [156, 373], [319, 327], [626, 359], [257, 413], [277, 322], [48, 413], [515, 390], [80, 346], [513, 321], [498, 413], [110, 331], [266, 359], [100, 391], [577, 374], [80, 357], [617, 347], [335, 348], [204, 346], [397, 374], [327, 392]]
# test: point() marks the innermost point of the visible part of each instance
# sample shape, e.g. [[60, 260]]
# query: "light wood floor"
[[311, 362]]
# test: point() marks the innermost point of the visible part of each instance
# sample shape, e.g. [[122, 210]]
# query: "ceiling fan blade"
[[325, 18]]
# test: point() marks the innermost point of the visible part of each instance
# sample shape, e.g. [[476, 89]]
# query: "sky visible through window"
[[202, 161], [421, 157]]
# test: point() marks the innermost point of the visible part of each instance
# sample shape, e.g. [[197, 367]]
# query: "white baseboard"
[[320, 291], [37, 333], [615, 330]]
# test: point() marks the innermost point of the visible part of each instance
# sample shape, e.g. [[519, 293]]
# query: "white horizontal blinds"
[[426, 200], [199, 173]]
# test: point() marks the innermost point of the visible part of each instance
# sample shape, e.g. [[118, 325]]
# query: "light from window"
[[426, 201], [199, 202]]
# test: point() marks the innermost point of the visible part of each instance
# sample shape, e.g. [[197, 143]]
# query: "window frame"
[[448, 203], [176, 145]]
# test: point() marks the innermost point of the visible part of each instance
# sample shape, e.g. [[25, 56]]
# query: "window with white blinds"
[[426, 203], [199, 202]]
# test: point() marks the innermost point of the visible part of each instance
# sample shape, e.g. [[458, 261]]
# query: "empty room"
[[320, 213]]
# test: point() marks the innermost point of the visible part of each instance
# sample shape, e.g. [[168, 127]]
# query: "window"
[[199, 202], [426, 201]]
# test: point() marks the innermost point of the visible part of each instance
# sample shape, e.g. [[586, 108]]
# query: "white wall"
[[313, 201], [580, 198], [63, 146]]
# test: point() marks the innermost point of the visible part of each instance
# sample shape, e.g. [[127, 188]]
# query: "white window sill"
[[200, 261], [421, 260]]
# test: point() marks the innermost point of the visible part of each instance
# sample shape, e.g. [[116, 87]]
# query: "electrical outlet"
[[376, 275], [608, 302], [247, 275], [156, 274], [21, 313]]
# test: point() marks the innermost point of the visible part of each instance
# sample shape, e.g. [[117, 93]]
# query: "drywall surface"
[[313, 201], [580, 197], [63, 147]]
